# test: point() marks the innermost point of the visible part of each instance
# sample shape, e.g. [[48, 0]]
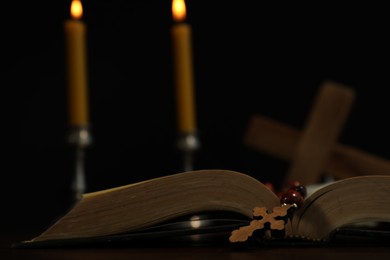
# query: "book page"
[[347, 201], [137, 206]]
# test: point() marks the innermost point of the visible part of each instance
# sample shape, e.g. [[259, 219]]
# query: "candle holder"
[[188, 143], [80, 138]]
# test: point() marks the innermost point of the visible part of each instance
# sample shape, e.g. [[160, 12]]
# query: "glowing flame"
[[179, 11], [76, 9]]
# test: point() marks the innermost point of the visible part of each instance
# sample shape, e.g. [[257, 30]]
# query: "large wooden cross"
[[314, 151]]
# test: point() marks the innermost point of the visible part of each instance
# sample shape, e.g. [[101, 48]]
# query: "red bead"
[[292, 184], [279, 194], [292, 196], [301, 189]]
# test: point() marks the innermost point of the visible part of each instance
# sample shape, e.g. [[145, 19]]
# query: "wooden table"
[[191, 252]]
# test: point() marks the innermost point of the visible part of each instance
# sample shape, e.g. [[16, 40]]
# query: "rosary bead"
[[292, 184], [301, 189], [292, 196], [296, 185]]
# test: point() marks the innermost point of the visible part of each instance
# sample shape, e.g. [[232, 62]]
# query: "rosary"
[[272, 224]]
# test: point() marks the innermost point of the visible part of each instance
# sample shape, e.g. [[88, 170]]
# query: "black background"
[[249, 58]]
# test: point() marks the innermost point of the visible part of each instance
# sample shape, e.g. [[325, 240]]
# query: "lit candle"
[[182, 52], [75, 33]]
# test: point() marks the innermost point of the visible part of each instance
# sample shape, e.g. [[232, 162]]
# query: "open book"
[[135, 209]]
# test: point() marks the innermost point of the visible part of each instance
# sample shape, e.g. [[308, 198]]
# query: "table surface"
[[192, 252]]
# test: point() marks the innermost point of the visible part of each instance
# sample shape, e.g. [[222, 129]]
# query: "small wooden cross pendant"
[[263, 222]]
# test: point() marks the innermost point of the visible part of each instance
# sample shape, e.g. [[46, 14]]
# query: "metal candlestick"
[[188, 143], [79, 137]]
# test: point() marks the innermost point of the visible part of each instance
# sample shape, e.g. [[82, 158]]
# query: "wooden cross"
[[315, 151], [276, 221]]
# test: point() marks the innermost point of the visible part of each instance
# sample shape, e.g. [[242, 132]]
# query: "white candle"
[[75, 32], [184, 82]]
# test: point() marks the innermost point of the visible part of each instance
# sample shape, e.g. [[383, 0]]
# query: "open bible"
[[131, 211]]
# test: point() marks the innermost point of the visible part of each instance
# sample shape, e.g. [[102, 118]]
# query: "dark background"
[[249, 58]]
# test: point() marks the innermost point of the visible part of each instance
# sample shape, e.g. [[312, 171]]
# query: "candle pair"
[[75, 31]]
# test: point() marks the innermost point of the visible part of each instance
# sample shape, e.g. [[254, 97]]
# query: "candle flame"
[[76, 9], [179, 11]]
